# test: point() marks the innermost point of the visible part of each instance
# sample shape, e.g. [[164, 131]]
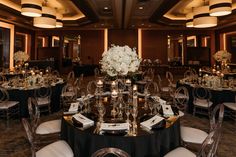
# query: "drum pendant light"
[[202, 18], [48, 18], [189, 18], [59, 17], [220, 7], [31, 8]]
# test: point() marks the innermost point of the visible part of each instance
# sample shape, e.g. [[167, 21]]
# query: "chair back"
[[210, 144], [29, 134], [201, 93], [213, 121], [110, 151], [169, 77], [71, 77], [4, 96], [34, 113], [188, 73], [2, 79], [181, 98], [69, 93], [96, 73], [92, 87], [152, 88]]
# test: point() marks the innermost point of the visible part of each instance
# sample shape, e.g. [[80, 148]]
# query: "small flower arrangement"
[[20, 56], [119, 60], [222, 55]]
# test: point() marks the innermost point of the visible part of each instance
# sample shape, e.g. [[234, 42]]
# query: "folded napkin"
[[89, 96], [114, 126], [152, 122], [74, 107], [158, 99], [167, 110], [82, 121]]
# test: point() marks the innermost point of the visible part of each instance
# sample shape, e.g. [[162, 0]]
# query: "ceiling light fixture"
[[202, 18], [31, 8], [189, 18], [48, 18], [220, 7], [59, 22], [141, 8]]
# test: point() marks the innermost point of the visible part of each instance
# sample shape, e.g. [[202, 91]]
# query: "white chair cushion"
[[192, 135], [43, 101], [56, 149], [181, 113], [180, 152], [165, 89], [8, 104], [202, 103], [68, 94], [49, 127], [230, 105]]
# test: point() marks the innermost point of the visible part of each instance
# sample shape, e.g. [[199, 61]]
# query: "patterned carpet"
[[13, 141]]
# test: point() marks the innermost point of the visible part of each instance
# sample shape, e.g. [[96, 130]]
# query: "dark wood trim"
[[162, 9], [86, 9], [123, 14]]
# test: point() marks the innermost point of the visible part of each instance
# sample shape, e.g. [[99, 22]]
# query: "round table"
[[85, 142], [218, 95], [22, 96]]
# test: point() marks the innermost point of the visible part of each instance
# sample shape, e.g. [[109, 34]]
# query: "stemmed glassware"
[[101, 112], [134, 113]]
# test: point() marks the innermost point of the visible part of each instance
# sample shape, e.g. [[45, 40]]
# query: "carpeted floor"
[[13, 141]]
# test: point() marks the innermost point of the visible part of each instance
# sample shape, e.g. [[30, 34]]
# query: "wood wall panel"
[[154, 45], [123, 37], [92, 43]]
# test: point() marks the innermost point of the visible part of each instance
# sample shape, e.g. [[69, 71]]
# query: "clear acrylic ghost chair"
[[57, 149], [92, 88], [43, 98], [68, 95], [202, 103], [71, 77], [181, 99], [231, 109], [208, 147], [8, 108], [110, 151], [170, 79], [197, 136], [49, 130], [78, 83], [188, 74]]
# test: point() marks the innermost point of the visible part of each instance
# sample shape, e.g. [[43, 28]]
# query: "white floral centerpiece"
[[119, 60], [222, 56], [21, 56]]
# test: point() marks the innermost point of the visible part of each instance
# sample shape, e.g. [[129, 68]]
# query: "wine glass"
[[151, 106], [127, 112], [101, 112]]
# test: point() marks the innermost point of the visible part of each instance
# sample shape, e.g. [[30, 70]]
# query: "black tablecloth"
[[156, 144], [217, 96], [23, 95]]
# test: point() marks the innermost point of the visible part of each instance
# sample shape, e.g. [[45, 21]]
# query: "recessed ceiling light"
[[141, 8], [142, 24], [105, 8]]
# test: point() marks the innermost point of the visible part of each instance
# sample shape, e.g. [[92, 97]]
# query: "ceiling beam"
[[127, 12], [162, 9]]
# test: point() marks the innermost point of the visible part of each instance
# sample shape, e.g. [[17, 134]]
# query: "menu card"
[[151, 122], [79, 118], [114, 126]]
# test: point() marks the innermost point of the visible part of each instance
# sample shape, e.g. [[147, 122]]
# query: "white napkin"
[[89, 96], [114, 126], [74, 107], [152, 121], [167, 110], [84, 120]]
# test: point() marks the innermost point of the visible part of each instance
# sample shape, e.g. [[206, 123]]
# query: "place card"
[[74, 107], [84, 121], [152, 122], [167, 110]]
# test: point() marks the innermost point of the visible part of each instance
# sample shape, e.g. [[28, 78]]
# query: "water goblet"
[[101, 112]]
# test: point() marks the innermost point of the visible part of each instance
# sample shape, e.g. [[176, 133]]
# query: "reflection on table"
[[144, 143]]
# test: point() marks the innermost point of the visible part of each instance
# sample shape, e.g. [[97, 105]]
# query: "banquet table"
[[22, 96], [219, 95], [147, 143]]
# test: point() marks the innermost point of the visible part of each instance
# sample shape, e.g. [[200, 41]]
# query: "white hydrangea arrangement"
[[20, 56], [222, 55], [119, 60]]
